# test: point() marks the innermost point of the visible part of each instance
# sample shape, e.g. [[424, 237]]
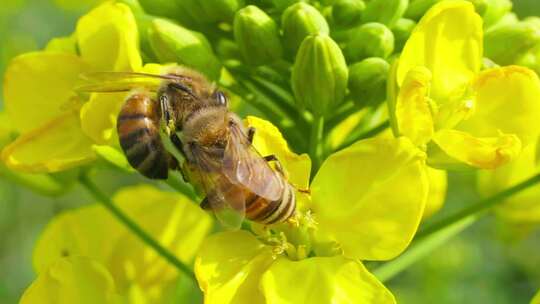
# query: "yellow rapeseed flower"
[[441, 100], [55, 134], [351, 215], [522, 207], [85, 251]]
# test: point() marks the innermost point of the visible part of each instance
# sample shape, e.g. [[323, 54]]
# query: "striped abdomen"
[[138, 130], [257, 208], [260, 210]]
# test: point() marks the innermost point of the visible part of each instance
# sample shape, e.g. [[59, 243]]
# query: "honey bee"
[[219, 156]]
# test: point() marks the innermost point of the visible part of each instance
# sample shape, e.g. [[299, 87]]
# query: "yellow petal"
[[72, 280], [113, 156], [178, 223], [373, 212], [506, 101], [479, 152], [229, 267], [522, 207], [414, 115], [38, 85], [99, 114], [66, 44], [175, 221], [87, 231], [108, 38], [58, 145], [447, 41], [322, 280], [268, 140], [6, 129], [437, 191]]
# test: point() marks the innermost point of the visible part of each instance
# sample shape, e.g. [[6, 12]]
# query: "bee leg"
[[250, 134], [205, 204], [180, 147], [177, 143], [270, 158], [281, 171], [279, 167]]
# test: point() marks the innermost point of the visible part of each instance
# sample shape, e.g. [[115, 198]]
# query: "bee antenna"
[[183, 88]]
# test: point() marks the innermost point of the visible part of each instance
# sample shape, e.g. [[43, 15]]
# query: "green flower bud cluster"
[[327, 52], [492, 11], [507, 43]]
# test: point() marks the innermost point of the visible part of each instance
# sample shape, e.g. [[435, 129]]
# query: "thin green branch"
[[437, 234], [372, 132], [279, 96], [283, 97], [134, 227], [256, 100], [182, 187], [342, 113], [240, 90], [419, 250], [316, 143], [478, 207]]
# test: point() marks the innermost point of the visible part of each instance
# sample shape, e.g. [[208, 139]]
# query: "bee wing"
[[242, 164], [227, 201], [108, 76], [108, 82]]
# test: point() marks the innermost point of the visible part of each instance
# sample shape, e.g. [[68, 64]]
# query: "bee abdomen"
[[260, 210], [138, 129]]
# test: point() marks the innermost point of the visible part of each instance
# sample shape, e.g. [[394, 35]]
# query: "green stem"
[[433, 236], [260, 103], [372, 132], [134, 227], [240, 90], [420, 250], [182, 187], [342, 113], [478, 207], [316, 142]]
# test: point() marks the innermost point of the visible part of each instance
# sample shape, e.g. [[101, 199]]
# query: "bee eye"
[[220, 98]]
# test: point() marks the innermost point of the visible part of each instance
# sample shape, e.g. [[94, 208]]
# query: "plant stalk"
[[435, 235], [369, 133], [316, 143], [134, 227], [479, 206]]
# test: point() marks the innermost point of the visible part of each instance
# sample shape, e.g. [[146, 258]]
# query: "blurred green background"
[[489, 263]]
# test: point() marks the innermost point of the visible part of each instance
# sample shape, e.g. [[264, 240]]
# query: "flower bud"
[[495, 10], [347, 13], [227, 49], [402, 29], [166, 8], [281, 5], [367, 81], [369, 40], [480, 6], [174, 43], [257, 36], [211, 11], [134, 6], [319, 75], [417, 8], [507, 43], [299, 21], [384, 11]]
